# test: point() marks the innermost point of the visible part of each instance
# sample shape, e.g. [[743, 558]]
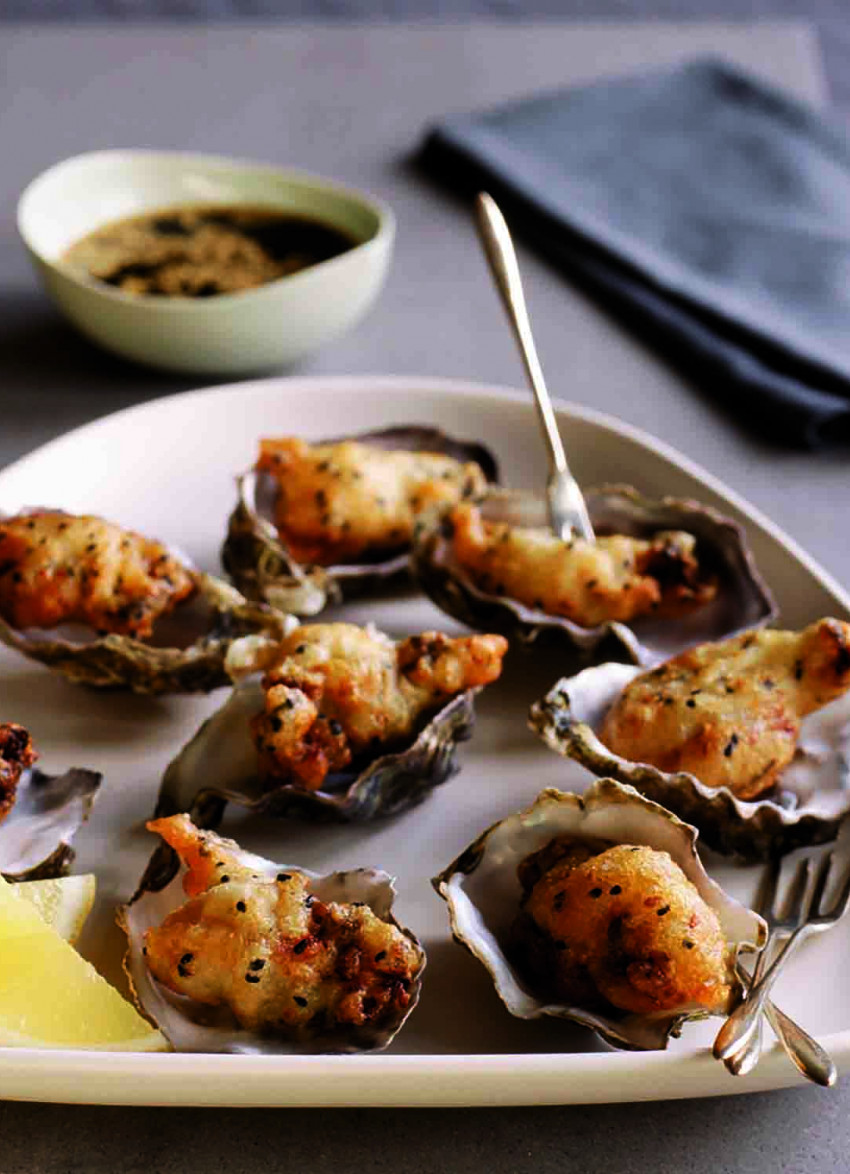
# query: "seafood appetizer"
[[335, 720], [598, 910], [238, 954], [660, 576], [39, 813], [111, 608], [747, 738], [318, 521]]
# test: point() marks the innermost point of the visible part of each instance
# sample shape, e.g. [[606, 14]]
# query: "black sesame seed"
[[301, 946], [663, 910], [334, 726], [300, 1000], [798, 671], [380, 956], [256, 964], [182, 971], [241, 906], [252, 978], [186, 959], [284, 876], [224, 880], [300, 649], [595, 893], [616, 890], [691, 704], [689, 945]]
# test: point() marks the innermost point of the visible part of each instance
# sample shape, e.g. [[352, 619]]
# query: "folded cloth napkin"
[[706, 209]]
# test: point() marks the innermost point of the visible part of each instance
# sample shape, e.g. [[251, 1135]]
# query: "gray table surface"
[[352, 103]]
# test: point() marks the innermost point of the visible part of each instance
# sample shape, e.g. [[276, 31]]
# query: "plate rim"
[[64, 1075]]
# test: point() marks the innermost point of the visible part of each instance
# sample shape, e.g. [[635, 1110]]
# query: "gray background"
[[352, 102]]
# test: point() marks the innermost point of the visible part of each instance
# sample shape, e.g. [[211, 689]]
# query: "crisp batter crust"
[[57, 568], [730, 712], [590, 583], [339, 690], [16, 754], [624, 927], [268, 949], [338, 503]]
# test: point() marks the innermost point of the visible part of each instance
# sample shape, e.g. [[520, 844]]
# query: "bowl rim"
[[382, 237]]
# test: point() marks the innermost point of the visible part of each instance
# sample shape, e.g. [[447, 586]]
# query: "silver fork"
[[739, 1028], [813, 1061], [567, 509]]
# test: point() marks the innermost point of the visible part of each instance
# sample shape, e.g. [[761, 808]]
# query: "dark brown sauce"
[[198, 252]]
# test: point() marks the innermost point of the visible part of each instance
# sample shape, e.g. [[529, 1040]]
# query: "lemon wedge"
[[63, 902], [50, 997]]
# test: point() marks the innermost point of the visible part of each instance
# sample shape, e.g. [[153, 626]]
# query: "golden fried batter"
[[57, 568], [16, 754], [339, 689], [730, 712], [268, 949], [341, 502], [590, 583], [626, 926]]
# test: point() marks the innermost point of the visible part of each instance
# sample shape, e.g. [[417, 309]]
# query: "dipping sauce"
[[201, 251]]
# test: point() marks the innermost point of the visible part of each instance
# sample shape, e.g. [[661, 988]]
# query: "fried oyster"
[[596, 908], [109, 607], [39, 813], [318, 522], [730, 713], [348, 501], [661, 575], [16, 755], [621, 927], [337, 691], [615, 578], [58, 568], [334, 721], [272, 952]]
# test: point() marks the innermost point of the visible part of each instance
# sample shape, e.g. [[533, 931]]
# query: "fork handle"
[[805, 1053], [738, 1029]]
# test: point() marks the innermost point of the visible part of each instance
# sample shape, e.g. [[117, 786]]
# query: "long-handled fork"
[[813, 1061], [810, 918]]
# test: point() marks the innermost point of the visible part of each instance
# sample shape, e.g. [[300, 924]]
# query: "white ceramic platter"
[[167, 469]]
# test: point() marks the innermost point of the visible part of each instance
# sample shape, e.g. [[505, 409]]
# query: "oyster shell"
[[220, 764], [261, 566], [807, 807], [184, 654], [483, 893], [191, 1026], [36, 834], [743, 600]]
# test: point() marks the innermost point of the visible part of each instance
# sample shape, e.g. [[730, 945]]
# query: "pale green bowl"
[[229, 334]]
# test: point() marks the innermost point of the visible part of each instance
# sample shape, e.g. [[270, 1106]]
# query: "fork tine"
[[819, 887], [768, 882], [839, 907], [793, 905]]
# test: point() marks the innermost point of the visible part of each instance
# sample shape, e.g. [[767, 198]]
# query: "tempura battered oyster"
[[39, 813], [318, 522], [747, 738], [597, 909], [110, 608], [665, 574], [234, 953], [336, 721]]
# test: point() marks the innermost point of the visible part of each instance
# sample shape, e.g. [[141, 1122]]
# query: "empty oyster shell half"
[[742, 600], [261, 566], [35, 837], [185, 654], [219, 765], [484, 895], [806, 809], [193, 1027]]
